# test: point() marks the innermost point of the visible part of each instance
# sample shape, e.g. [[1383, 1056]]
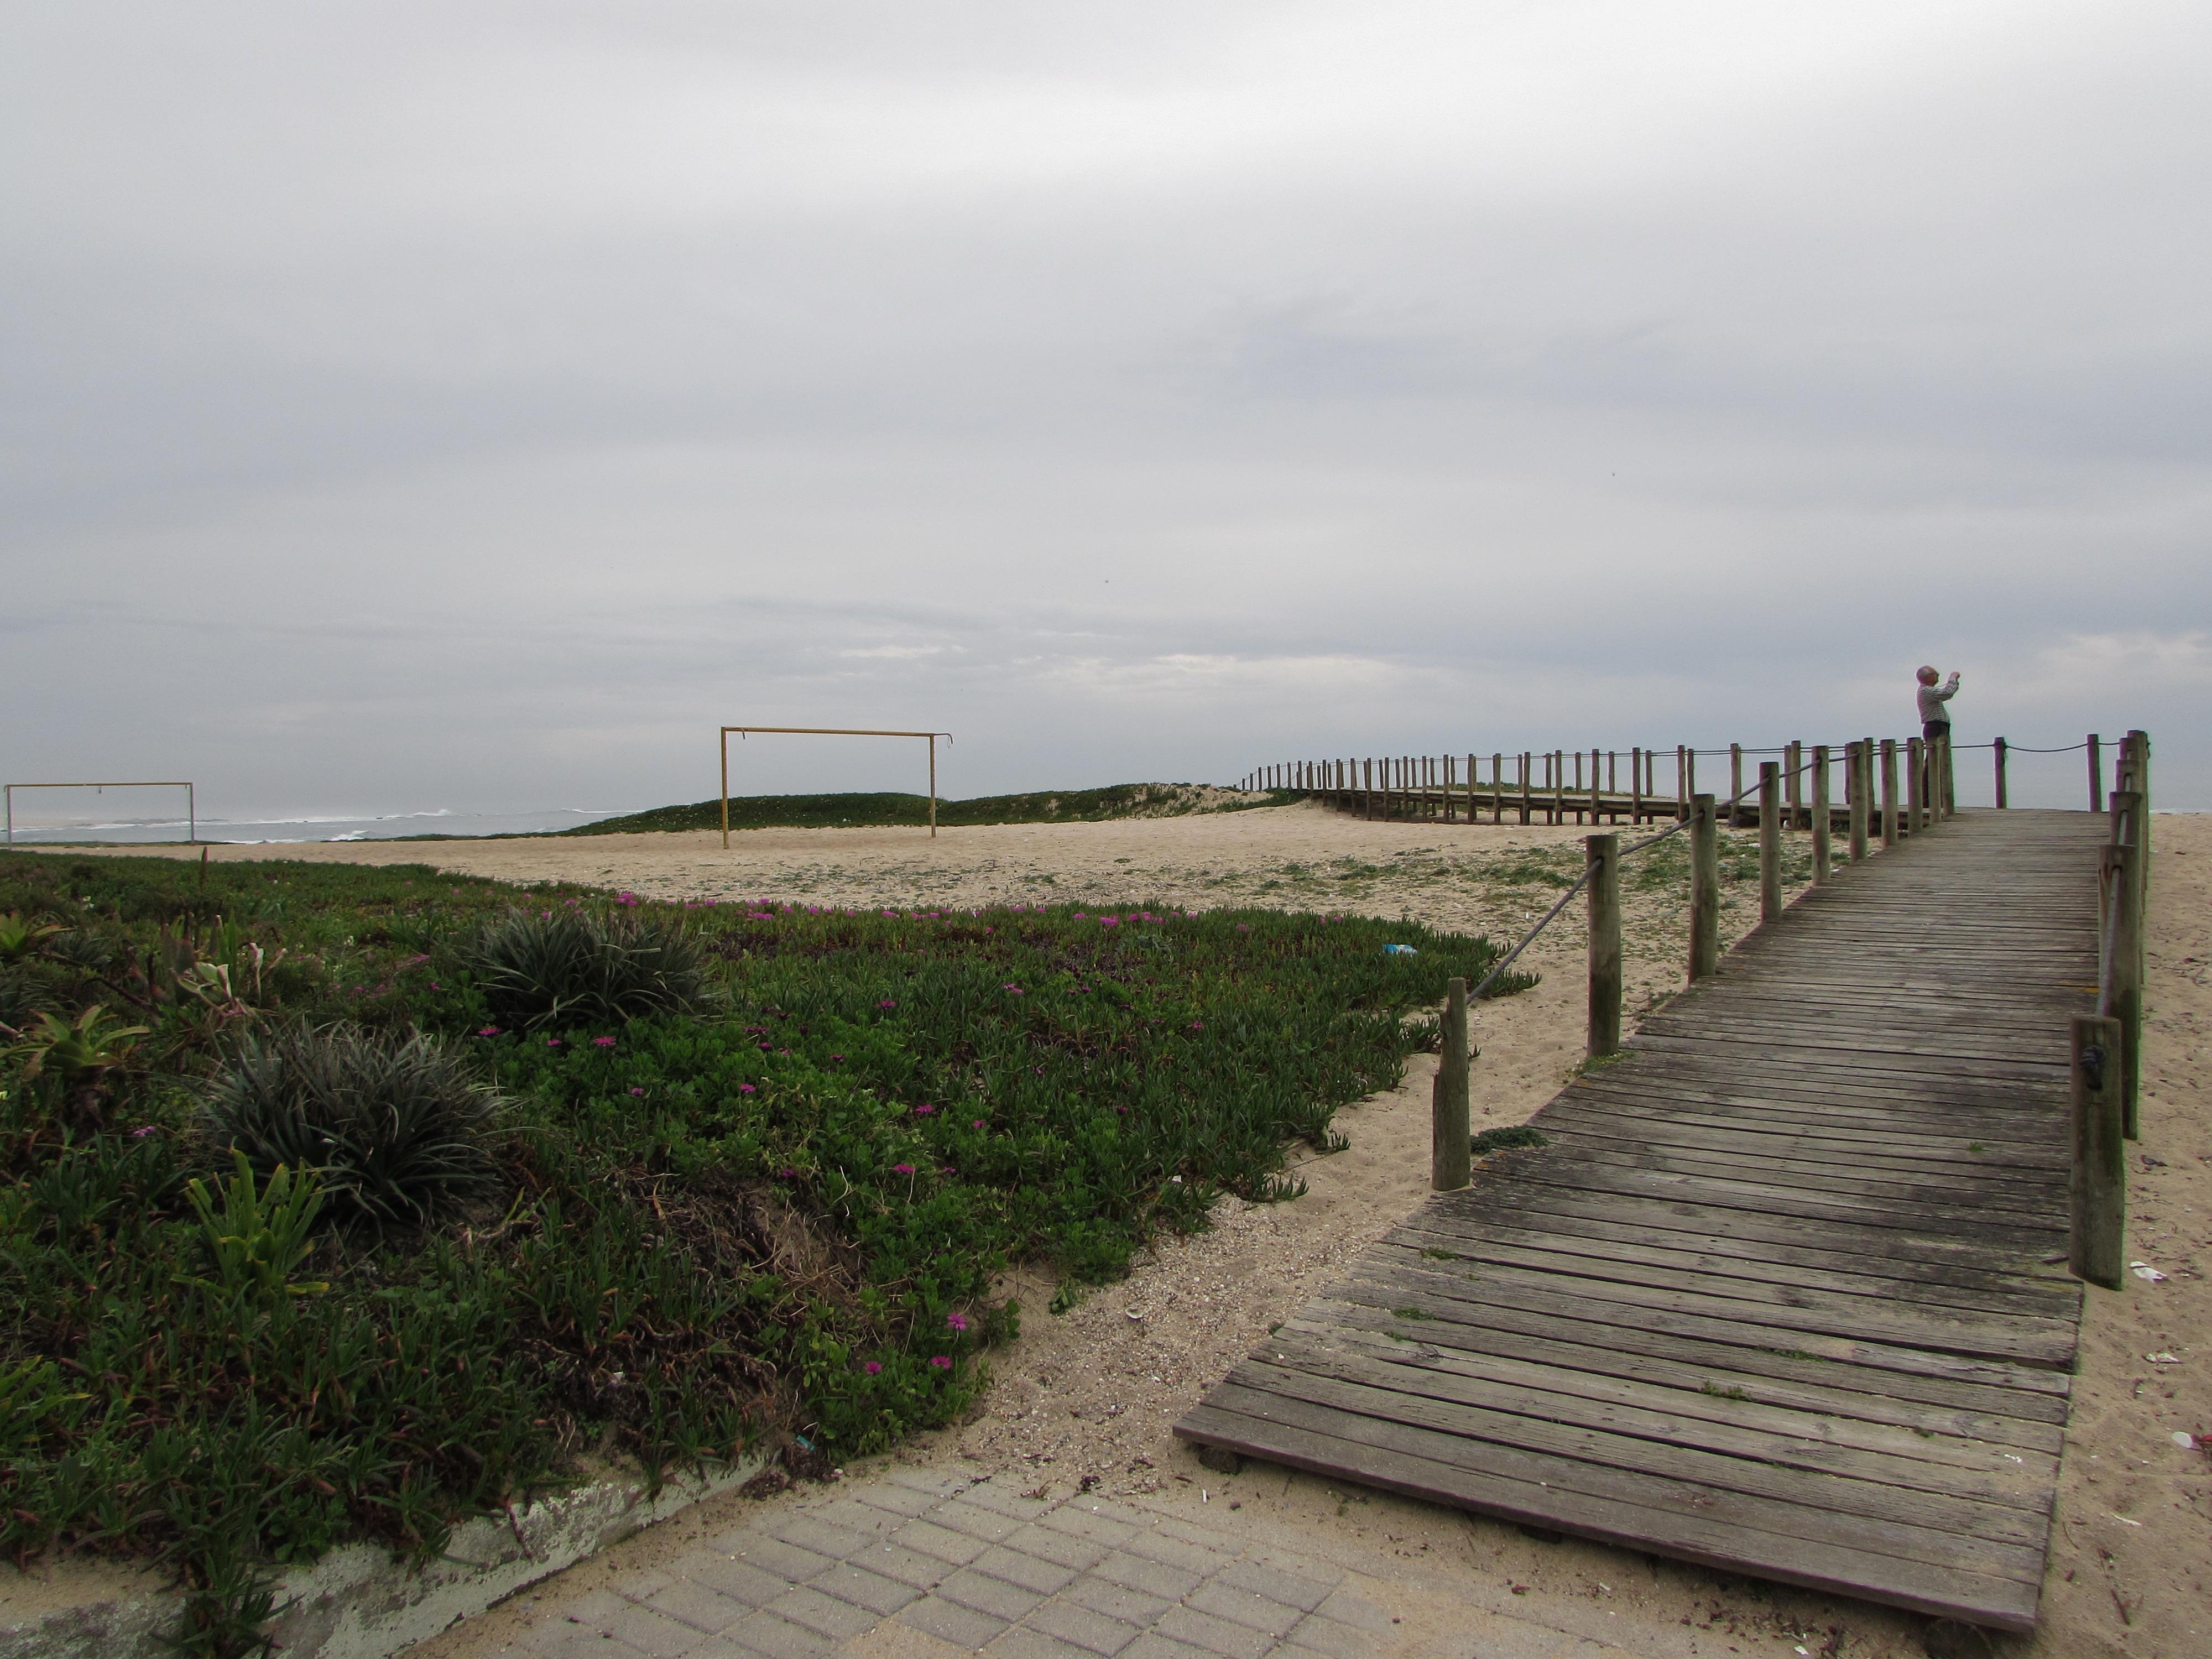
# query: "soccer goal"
[[824, 732], [192, 809]]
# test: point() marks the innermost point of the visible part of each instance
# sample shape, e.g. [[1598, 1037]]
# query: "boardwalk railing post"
[[1855, 792], [1604, 1035], [1705, 889], [1681, 783], [1950, 796], [1449, 1143], [1917, 792], [1888, 793], [2120, 978], [2098, 1182], [2096, 773], [2139, 781], [2001, 802], [1770, 840], [1824, 853], [1635, 787], [1736, 780]]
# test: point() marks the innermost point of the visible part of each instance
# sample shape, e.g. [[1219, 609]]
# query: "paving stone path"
[[916, 1564]]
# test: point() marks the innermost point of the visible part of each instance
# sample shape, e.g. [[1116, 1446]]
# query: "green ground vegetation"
[[1120, 800], [349, 1202]]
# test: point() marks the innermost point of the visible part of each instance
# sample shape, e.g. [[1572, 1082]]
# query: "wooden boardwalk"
[[1779, 1296]]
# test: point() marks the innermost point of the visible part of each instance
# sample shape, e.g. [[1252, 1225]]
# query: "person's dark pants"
[[1932, 730]]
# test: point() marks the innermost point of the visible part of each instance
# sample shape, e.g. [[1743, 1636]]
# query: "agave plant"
[[394, 1128], [78, 1050], [20, 940], [573, 968]]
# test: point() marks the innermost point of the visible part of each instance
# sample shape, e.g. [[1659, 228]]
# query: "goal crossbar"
[[192, 809], [826, 732]]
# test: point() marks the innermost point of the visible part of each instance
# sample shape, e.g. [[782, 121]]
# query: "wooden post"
[[1474, 776], [725, 792], [1367, 789], [1681, 783], [1823, 852], [1497, 787], [1448, 1148], [1917, 792], [1888, 793], [2096, 773], [1793, 766], [1770, 840], [1736, 779], [1705, 889], [1950, 797], [1635, 787], [2001, 801], [2139, 772], [1855, 792], [1604, 1032], [2099, 1186], [1597, 793], [932, 786], [2120, 976], [1527, 765]]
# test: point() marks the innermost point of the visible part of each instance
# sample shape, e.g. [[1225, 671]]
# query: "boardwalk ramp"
[[1779, 1297]]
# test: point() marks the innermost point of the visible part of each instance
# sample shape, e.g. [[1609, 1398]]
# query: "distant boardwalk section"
[[1786, 1294]]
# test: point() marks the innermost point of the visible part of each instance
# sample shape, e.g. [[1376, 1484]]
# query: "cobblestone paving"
[[917, 1564]]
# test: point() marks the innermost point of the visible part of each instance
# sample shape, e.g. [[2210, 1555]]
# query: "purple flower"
[[1016, 989], [902, 1169], [958, 1321], [637, 1091], [942, 1362], [923, 1111], [977, 1124], [790, 1174], [887, 1003], [837, 1056], [1109, 921], [603, 1043], [747, 1089], [142, 1132], [872, 1367], [489, 1030], [552, 1042]]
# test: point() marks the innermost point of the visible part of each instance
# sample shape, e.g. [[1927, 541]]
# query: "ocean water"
[[33, 828]]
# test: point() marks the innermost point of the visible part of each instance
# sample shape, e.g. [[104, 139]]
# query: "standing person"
[[1935, 716]]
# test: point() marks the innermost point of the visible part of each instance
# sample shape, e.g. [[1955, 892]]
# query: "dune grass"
[[1119, 800], [770, 1217]]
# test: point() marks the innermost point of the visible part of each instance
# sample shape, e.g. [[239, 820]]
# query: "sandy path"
[[1093, 1393]]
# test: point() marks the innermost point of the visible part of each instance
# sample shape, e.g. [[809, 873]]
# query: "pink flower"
[[1109, 921], [958, 1321], [923, 1111], [489, 1030], [902, 1168], [942, 1362], [887, 1003], [552, 1042], [142, 1132], [837, 1056], [747, 1089], [603, 1043], [977, 1124], [790, 1174], [1016, 989], [637, 1091], [872, 1367]]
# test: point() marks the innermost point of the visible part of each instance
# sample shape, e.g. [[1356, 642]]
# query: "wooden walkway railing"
[[1777, 1296], [1587, 785]]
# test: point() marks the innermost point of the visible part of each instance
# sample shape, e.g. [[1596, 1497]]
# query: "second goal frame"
[[826, 732]]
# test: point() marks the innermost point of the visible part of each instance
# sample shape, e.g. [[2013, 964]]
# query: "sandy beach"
[[1092, 1394]]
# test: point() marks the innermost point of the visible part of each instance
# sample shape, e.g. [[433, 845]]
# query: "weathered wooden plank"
[[1775, 1296]]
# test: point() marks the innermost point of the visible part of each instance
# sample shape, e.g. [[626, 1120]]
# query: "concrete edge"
[[360, 1601]]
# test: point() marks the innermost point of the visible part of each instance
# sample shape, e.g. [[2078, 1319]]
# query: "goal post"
[[192, 809], [826, 732]]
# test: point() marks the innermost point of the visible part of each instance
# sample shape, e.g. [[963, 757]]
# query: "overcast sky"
[[408, 406]]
